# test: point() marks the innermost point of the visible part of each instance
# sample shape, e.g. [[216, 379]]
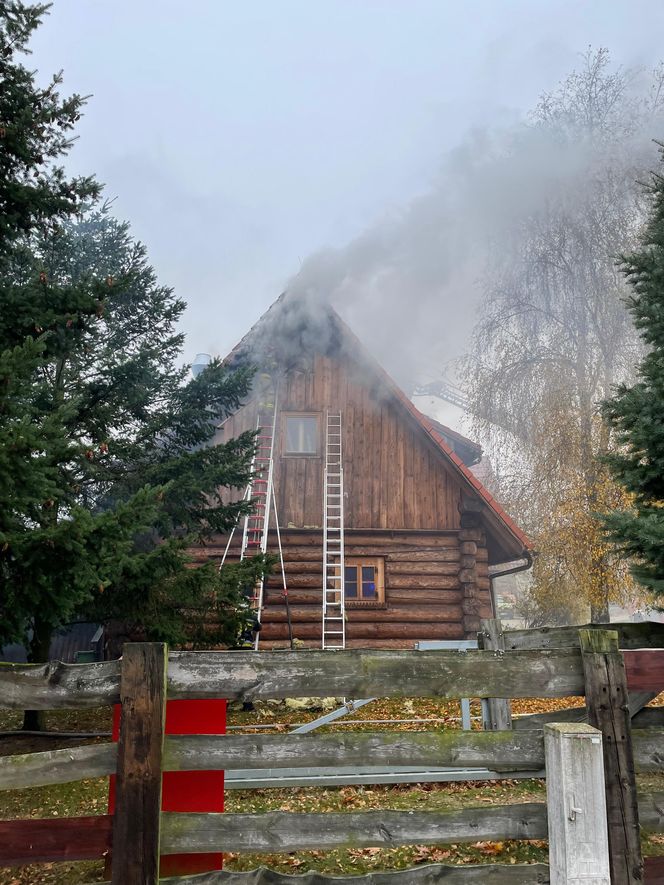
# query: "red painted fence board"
[[54, 839], [193, 790], [645, 669], [654, 870], [187, 790]]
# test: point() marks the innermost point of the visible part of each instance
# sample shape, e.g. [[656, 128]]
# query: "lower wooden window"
[[364, 580]]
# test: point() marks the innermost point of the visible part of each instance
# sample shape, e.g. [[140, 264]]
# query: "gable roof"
[[309, 324]]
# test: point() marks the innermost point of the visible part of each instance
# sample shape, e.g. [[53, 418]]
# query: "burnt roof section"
[[289, 331]]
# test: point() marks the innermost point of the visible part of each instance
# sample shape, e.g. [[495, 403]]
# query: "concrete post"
[[578, 837]]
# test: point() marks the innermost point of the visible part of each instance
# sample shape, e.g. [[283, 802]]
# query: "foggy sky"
[[240, 138]]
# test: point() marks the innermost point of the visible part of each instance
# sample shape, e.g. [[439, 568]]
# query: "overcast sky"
[[239, 138]]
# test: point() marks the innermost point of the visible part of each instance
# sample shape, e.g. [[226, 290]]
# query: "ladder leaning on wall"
[[334, 608], [260, 490]]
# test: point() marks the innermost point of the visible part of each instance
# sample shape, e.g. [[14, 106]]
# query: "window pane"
[[301, 434], [350, 581], [369, 582]]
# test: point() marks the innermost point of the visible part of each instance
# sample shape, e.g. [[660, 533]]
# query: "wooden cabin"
[[420, 530]]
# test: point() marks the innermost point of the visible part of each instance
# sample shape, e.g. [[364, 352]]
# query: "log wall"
[[403, 501], [436, 587]]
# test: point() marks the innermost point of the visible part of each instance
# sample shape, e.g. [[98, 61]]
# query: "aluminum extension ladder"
[[256, 524], [334, 609]]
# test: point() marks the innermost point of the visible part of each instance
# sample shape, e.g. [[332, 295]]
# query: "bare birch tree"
[[554, 335]]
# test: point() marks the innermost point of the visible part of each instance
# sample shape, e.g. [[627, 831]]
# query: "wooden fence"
[[138, 833]]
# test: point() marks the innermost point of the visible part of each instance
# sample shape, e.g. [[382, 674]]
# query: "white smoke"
[[410, 286]]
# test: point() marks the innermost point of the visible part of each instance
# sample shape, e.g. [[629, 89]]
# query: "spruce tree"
[[107, 476], [636, 413]]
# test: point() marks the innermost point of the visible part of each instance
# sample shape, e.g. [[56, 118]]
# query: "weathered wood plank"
[[55, 685], [368, 630], [423, 582], [138, 782], [647, 634], [501, 751], [607, 705], [397, 541], [45, 840], [645, 717], [651, 811], [399, 615], [535, 721], [282, 644], [427, 874], [492, 638], [649, 717], [638, 700], [283, 831], [248, 676], [442, 554], [357, 673], [497, 751], [400, 569], [57, 766], [452, 594]]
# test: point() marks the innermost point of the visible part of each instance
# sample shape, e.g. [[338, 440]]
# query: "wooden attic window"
[[300, 434], [364, 581]]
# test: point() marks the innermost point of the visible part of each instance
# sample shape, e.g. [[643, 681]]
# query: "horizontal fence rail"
[[250, 676], [50, 840], [647, 634], [55, 685], [89, 838], [648, 717], [284, 831], [498, 751]]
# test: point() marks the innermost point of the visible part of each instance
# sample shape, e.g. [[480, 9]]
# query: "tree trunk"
[[599, 613], [33, 720]]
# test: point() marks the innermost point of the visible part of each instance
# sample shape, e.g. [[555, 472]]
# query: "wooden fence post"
[[497, 711], [576, 806], [607, 705], [138, 783]]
